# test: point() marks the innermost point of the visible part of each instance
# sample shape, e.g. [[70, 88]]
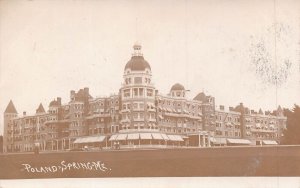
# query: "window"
[[141, 105], [135, 115], [126, 93], [141, 115], [135, 91], [141, 92], [149, 92], [138, 80], [135, 105]]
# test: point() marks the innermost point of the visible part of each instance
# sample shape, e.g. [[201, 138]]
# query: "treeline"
[[291, 136]]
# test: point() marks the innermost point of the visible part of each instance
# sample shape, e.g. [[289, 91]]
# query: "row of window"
[[179, 104], [229, 118], [136, 115], [137, 92], [78, 106], [228, 133], [137, 80]]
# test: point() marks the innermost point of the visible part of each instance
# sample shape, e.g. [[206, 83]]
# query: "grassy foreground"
[[229, 161]]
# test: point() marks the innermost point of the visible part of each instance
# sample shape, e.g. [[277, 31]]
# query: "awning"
[[89, 139], [145, 136], [133, 136], [175, 138], [121, 137], [212, 139], [269, 142], [78, 140], [157, 136], [220, 141], [182, 136], [165, 137], [113, 137], [151, 105], [257, 125], [229, 124], [238, 141], [96, 139]]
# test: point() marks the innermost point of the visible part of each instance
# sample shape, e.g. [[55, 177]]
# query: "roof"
[[54, 103], [10, 108], [137, 63], [177, 86], [200, 97], [40, 109]]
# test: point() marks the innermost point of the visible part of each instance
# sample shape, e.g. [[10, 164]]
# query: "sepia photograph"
[[164, 93]]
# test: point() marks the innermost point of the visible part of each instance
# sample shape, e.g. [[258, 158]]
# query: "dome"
[[177, 86], [200, 97], [137, 63]]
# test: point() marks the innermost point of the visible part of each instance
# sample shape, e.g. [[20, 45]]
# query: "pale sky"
[[225, 48]]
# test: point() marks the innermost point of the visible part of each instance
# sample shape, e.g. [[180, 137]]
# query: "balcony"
[[152, 120], [138, 119], [138, 109]]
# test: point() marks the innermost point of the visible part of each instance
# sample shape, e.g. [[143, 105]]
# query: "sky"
[[235, 50]]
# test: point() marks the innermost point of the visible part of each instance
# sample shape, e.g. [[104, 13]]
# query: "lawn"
[[192, 162]]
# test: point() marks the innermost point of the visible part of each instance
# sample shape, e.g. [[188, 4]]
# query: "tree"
[[292, 133], [1, 143]]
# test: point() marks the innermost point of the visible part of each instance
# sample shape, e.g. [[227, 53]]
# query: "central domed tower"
[[137, 93]]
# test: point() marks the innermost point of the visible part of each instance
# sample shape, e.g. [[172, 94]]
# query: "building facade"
[[138, 116]]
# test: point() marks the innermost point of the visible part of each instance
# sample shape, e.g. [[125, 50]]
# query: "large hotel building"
[[139, 116]]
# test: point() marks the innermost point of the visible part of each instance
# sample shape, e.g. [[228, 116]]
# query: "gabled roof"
[[200, 97], [10, 108], [40, 109]]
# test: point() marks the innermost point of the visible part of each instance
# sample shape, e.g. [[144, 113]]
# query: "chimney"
[[252, 112], [86, 91], [221, 107], [24, 113], [59, 100], [246, 110]]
